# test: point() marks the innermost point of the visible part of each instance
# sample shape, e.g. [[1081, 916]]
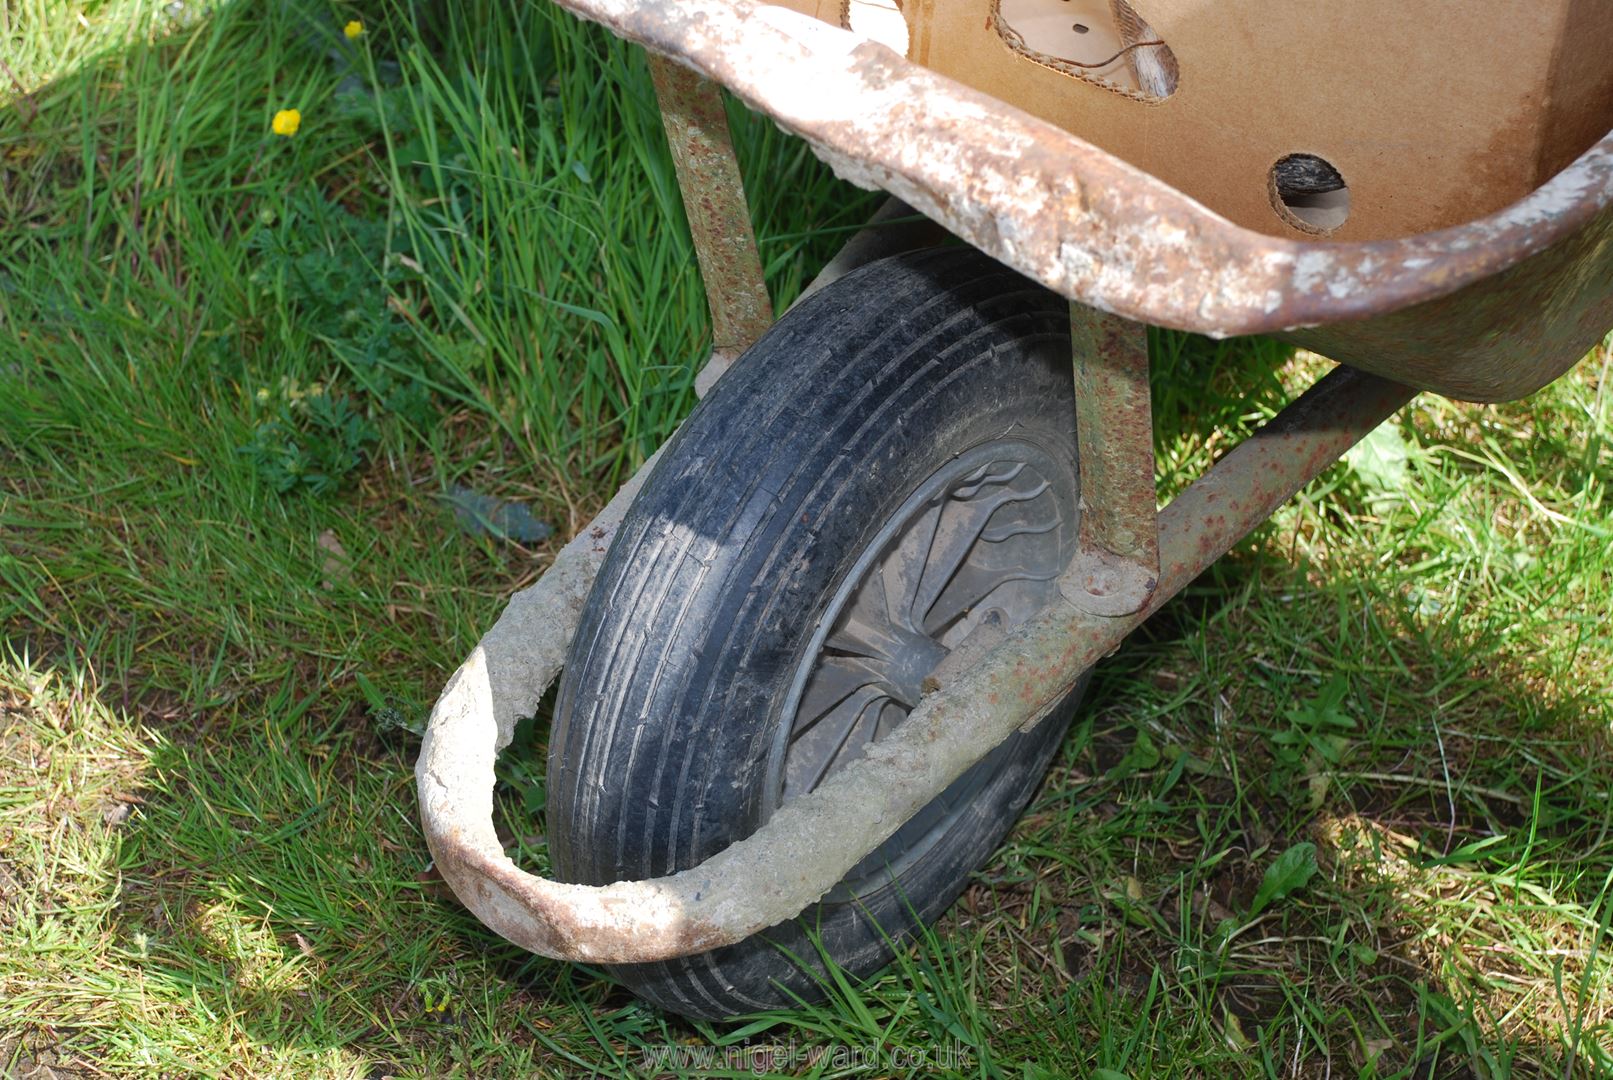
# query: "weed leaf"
[[1142, 755], [1291, 872], [1381, 460]]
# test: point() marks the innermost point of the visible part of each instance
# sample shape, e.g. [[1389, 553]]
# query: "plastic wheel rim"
[[985, 532]]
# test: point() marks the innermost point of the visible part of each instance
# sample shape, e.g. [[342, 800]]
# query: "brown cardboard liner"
[[1438, 112]]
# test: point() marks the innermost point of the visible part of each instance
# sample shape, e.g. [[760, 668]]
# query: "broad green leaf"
[[1381, 460], [1292, 870], [1142, 755]]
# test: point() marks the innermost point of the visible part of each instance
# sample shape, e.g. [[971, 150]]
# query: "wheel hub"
[[987, 534], [902, 673]]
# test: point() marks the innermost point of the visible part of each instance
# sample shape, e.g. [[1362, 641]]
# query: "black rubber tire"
[[671, 698]]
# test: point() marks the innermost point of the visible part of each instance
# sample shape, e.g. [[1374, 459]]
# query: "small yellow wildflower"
[[286, 122], [353, 29]]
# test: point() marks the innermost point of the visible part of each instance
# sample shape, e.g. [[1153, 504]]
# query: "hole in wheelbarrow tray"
[[1103, 42], [1309, 193]]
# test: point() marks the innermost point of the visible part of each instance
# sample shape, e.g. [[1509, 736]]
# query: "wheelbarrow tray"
[[1490, 310]]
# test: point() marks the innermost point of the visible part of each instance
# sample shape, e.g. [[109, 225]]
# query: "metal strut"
[[1116, 569], [719, 217]]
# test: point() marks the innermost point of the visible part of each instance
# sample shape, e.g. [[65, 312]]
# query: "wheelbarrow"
[[818, 652]]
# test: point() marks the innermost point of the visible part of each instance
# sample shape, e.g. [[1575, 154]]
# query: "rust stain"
[[1117, 563], [714, 202]]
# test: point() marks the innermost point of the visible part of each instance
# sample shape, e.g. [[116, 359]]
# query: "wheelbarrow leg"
[[1116, 569], [719, 217]]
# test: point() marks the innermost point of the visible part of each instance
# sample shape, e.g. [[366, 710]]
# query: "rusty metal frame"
[[811, 843], [1116, 567], [696, 124], [1439, 311]]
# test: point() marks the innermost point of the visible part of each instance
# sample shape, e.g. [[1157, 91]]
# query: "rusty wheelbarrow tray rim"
[[1063, 211]]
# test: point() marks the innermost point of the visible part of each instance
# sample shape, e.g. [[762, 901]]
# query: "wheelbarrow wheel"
[[890, 466]]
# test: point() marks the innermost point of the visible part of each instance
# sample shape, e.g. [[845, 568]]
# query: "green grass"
[[237, 374]]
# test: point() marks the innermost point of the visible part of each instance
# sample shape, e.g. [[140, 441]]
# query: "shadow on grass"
[[1307, 695], [1460, 813]]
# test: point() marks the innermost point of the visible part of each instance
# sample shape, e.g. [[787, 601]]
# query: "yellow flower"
[[286, 122], [353, 29]]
